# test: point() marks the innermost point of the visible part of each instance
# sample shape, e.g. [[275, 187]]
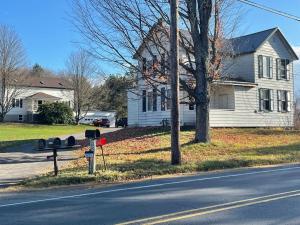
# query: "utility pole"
[[175, 120]]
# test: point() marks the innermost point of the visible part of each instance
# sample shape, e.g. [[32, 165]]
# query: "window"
[[191, 103], [163, 99], [163, 63], [282, 68], [169, 99], [144, 65], [20, 117], [17, 103], [265, 100], [144, 100], [284, 101], [154, 99], [150, 101], [154, 65], [265, 66], [223, 101]]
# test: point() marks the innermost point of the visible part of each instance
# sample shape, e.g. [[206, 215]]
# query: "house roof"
[[47, 82], [252, 42], [41, 95], [244, 44]]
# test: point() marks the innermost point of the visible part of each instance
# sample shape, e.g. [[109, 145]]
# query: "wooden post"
[[175, 120], [55, 161], [92, 161]]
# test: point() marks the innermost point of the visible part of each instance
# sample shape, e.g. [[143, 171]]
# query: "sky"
[[49, 37]]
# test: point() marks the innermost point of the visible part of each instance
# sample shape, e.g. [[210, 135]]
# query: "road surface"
[[248, 196]]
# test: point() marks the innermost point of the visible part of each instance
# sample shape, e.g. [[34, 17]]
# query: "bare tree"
[[12, 57], [80, 70], [115, 29]]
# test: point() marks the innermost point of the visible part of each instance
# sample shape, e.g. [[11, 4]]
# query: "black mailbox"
[[92, 134], [71, 141], [56, 143], [41, 144]]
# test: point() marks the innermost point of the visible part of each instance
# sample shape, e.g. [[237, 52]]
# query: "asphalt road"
[[248, 196]]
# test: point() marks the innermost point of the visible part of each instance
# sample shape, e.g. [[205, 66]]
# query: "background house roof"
[[47, 82], [41, 95]]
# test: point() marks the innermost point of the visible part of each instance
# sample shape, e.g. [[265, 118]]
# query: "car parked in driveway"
[[101, 123]]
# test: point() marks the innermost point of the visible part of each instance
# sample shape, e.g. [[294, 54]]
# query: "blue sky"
[[49, 37]]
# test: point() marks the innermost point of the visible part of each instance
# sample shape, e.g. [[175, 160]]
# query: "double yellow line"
[[213, 209]]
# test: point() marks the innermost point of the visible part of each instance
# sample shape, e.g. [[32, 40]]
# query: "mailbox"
[[92, 134], [56, 143], [71, 141], [41, 144]]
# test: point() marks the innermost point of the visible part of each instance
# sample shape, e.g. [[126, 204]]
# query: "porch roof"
[[41, 95], [234, 83]]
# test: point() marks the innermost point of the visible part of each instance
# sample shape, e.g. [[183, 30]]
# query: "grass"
[[137, 153], [16, 133]]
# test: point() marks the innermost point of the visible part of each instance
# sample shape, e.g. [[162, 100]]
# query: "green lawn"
[[136, 153], [14, 133]]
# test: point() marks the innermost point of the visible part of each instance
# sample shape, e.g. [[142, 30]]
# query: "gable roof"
[[41, 95], [243, 44], [47, 82], [252, 42]]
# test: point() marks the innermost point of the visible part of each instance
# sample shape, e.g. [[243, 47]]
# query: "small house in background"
[[91, 116], [35, 91]]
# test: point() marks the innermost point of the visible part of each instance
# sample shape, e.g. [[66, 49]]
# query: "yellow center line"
[[210, 209]]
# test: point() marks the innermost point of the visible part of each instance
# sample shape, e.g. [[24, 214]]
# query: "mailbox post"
[[92, 135]]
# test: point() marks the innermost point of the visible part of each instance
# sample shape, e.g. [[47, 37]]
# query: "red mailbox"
[[101, 142]]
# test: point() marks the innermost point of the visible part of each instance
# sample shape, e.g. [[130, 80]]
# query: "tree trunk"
[[175, 120], [202, 133]]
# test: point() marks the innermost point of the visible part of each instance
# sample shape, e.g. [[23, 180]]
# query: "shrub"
[[55, 113]]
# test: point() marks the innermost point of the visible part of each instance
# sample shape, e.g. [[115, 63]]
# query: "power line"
[[275, 11]]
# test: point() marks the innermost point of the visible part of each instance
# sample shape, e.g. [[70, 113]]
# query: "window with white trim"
[[266, 99], [150, 101], [20, 118], [265, 66], [169, 99], [163, 99], [284, 101], [17, 103], [282, 69], [144, 99]]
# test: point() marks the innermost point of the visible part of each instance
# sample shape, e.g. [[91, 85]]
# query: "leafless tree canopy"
[[117, 29], [12, 58], [80, 70]]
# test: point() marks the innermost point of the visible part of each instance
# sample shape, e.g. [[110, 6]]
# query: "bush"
[[55, 113]]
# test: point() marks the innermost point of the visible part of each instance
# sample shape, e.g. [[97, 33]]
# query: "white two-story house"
[[35, 91], [258, 89]]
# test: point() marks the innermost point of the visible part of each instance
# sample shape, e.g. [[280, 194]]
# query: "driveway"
[[23, 161]]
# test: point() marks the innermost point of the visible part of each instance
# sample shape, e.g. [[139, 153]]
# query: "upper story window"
[[265, 66], [17, 103], [282, 69], [284, 101], [144, 65], [266, 100]]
